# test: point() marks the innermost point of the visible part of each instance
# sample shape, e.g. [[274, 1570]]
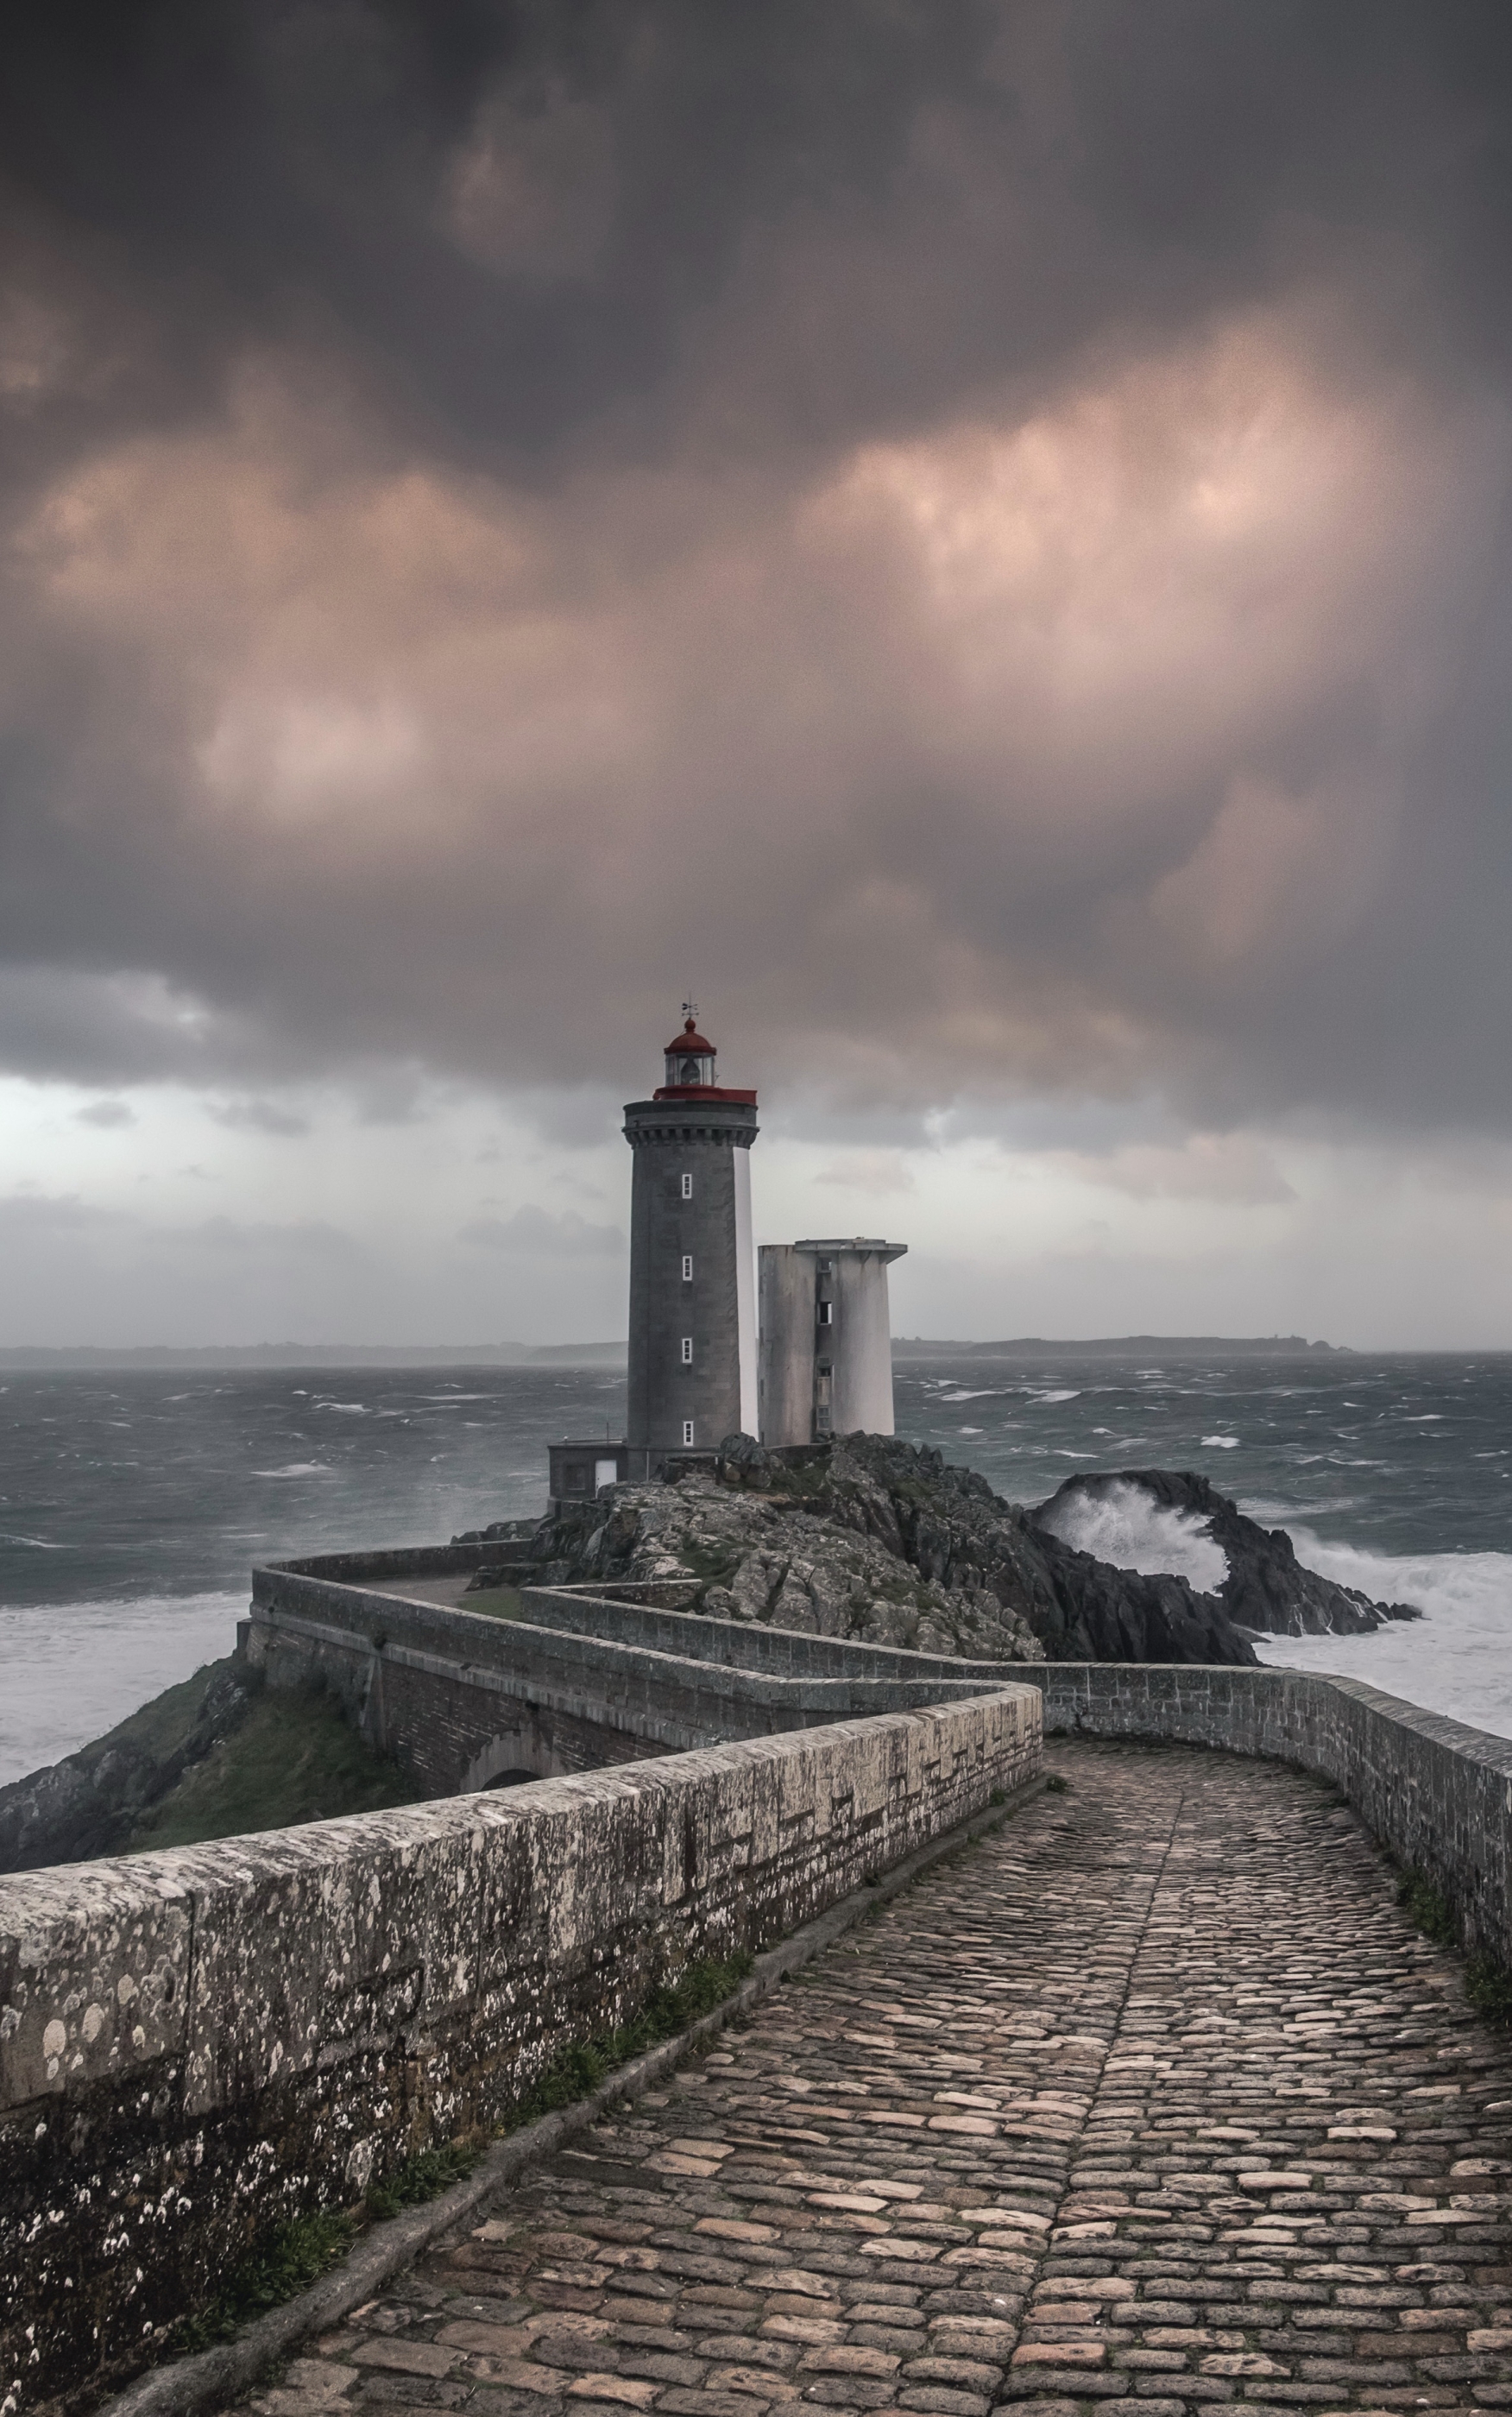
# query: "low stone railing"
[[1436, 1794], [575, 1682], [196, 2044], [632, 1617]]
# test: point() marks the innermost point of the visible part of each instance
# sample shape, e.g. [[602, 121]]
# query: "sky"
[[969, 537]]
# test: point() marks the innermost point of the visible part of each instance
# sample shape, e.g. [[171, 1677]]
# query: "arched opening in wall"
[[508, 1759]]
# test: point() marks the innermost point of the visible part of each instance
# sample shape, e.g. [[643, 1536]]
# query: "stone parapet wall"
[[736, 1644], [194, 2044], [398, 1561], [1436, 1794], [459, 1696]]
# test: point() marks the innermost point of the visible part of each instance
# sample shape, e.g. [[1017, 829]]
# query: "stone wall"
[[631, 1615], [1436, 1794], [195, 2043], [460, 1697]]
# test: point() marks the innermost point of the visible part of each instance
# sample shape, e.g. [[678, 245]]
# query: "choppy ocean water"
[[133, 1504]]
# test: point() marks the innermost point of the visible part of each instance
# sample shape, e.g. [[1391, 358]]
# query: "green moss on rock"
[[292, 1759]]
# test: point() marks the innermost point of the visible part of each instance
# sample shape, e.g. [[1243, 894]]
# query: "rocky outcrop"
[[763, 1547], [1267, 1591], [89, 1804], [878, 1539]]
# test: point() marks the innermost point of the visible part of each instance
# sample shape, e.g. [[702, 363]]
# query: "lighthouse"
[[692, 1342], [825, 1354]]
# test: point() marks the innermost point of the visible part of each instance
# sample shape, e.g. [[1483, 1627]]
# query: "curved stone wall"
[[1436, 1794], [195, 2044]]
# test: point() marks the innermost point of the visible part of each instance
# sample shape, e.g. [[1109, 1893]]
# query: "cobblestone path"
[[1151, 2098]]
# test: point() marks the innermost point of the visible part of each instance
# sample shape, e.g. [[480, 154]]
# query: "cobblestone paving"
[[1150, 2100]]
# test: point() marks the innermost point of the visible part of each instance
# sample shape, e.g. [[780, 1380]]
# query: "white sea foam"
[[1074, 1395], [73, 1670], [1220, 1443], [1127, 1526], [297, 1468], [1457, 1659]]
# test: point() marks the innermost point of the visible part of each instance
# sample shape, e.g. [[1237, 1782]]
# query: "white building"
[[826, 1357]]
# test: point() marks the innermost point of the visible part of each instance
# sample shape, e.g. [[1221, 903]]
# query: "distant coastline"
[[41, 1358], [1126, 1346], [316, 1355]]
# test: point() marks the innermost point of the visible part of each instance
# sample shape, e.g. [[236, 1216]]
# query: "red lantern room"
[[690, 1071]]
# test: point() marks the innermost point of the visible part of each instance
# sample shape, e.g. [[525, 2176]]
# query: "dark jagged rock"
[[949, 1524], [89, 1804], [1268, 1590], [875, 1538]]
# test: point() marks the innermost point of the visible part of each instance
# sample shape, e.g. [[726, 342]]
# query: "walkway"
[[1150, 2100]]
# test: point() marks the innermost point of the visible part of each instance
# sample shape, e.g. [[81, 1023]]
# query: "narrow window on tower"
[[688, 1267], [688, 1351], [826, 1313], [688, 1187], [687, 1431]]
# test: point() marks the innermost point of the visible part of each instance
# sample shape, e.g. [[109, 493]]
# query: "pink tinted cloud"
[[1034, 748]]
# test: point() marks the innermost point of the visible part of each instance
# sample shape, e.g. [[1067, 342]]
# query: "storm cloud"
[[976, 535]]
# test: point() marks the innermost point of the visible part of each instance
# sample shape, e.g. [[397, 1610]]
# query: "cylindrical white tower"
[[827, 1360]]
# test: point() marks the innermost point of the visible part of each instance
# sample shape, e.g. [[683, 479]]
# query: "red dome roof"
[[689, 1043]]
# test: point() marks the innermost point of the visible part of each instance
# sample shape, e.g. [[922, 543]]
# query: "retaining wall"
[[1436, 1794], [628, 1616], [195, 2043], [575, 1683]]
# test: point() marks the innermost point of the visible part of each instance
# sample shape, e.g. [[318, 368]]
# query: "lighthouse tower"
[[692, 1361]]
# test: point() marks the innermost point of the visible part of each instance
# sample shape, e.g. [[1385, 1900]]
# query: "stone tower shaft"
[[692, 1338]]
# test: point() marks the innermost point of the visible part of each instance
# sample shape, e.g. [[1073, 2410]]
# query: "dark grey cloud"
[[975, 533]]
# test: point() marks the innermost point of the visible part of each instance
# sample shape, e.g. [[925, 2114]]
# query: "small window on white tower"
[[687, 1431], [688, 1267], [826, 1313], [688, 1351], [688, 1187]]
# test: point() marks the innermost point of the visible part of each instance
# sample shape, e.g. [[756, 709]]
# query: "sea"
[[134, 1503]]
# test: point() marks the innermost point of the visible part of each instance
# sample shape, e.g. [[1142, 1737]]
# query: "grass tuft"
[[578, 2071], [1056, 1786], [1427, 1908], [288, 2260], [1488, 1987], [293, 2256], [1488, 1981], [422, 2177]]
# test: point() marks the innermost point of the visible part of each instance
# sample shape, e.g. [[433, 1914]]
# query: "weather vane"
[[690, 1010]]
